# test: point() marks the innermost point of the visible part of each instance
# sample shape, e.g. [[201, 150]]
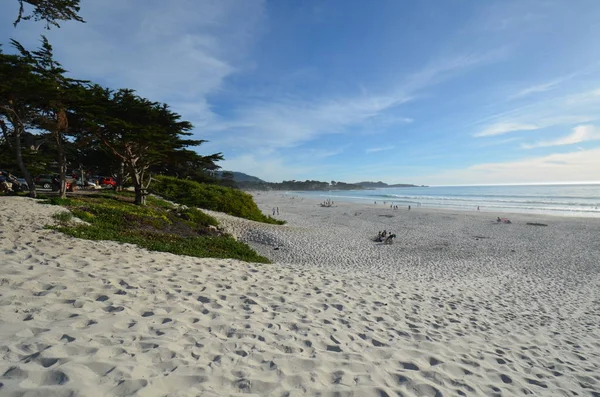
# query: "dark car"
[[52, 181], [23, 182], [44, 180]]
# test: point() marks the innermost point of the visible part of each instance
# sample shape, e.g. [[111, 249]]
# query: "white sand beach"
[[457, 305]]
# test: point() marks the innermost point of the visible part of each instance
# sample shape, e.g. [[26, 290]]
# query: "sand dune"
[[457, 306]]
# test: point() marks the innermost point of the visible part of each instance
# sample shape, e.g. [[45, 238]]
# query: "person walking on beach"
[[409, 207], [273, 211], [277, 210], [477, 208]]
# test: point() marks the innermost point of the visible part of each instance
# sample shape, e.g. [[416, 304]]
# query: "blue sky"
[[425, 92]]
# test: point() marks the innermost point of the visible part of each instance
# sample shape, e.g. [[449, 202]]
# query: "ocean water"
[[574, 200]]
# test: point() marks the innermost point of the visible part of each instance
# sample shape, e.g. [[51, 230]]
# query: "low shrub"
[[58, 201], [196, 216], [211, 197], [63, 217], [159, 226]]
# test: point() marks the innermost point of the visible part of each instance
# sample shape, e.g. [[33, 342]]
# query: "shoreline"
[[403, 202], [447, 309], [484, 210]]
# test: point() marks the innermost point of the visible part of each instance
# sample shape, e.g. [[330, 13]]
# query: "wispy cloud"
[[581, 133], [579, 165], [271, 167], [487, 143], [379, 149], [503, 128], [537, 88], [576, 108], [283, 122], [178, 53], [551, 85], [313, 154]]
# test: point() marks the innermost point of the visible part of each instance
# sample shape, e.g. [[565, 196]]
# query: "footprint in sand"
[[114, 309], [67, 338]]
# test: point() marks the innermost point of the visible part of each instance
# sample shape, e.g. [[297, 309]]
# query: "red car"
[[107, 180]]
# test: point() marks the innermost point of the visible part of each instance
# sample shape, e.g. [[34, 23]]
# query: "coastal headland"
[[459, 304]]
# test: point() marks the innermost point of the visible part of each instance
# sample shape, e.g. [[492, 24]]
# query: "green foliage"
[[58, 201], [196, 216], [157, 226], [211, 197], [50, 11], [157, 202], [63, 217], [86, 125]]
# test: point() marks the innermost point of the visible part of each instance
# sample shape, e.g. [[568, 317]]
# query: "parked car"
[[18, 184], [23, 183], [44, 181], [50, 181], [88, 183], [107, 181]]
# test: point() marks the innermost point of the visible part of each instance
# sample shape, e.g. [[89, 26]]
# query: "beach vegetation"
[[63, 217], [211, 197], [157, 226]]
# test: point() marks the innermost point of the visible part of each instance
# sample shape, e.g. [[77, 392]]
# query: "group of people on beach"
[[385, 237], [395, 207], [327, 203]]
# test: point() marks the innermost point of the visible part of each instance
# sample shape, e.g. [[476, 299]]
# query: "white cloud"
[[177, 52], [498, 142], [583, 98], [271, 168], [580, 165], [503, 128], [549, 85], [559, 110], [537, 88], [283, 122], [379, 149], [581, 133], [288, 123]]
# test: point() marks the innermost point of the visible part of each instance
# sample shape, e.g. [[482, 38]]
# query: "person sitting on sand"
[[498, 220], [389, 238]]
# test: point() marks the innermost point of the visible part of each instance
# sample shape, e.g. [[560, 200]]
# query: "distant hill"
[[372, 185], [240, 177]]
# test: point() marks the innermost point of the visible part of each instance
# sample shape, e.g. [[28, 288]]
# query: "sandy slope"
[[447, 310]]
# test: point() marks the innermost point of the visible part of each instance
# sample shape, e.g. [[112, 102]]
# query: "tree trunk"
[[120, 177], [62, 165], [140, 196], [61, 125], [138, 185], [81, 177], [18, 130]]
